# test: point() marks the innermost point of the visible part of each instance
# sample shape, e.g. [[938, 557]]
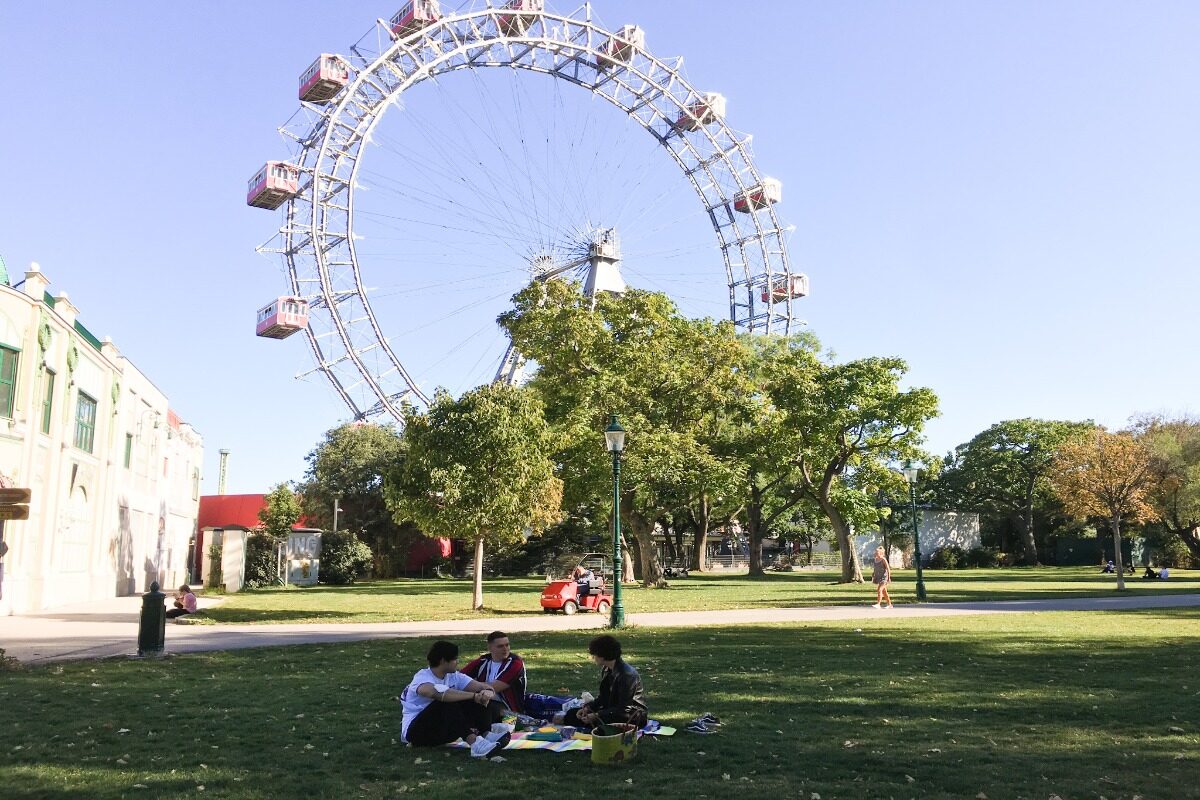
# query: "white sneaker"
[[889, 605], [483, 747], [876, 605]]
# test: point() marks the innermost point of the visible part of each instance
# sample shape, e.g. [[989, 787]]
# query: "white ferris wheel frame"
[[317, 238]]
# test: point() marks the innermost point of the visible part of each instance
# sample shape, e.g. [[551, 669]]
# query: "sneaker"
[[876, 605], [889, 605], [700, 727], [709, 719], [483, 747]]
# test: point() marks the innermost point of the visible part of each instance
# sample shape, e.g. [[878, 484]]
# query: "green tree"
[[1175, 443], [348, 466], [1005, 470], [669, 379], [478, 468], [843, 424], [280, 512]]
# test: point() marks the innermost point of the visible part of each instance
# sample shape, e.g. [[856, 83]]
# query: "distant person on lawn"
[[502, 670], [442, 705], [621, 698], [881, 577], [185, 602]]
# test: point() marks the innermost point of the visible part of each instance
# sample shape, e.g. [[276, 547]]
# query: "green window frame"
[[128, 450], [85, 422], [48, 401], [8, 380]]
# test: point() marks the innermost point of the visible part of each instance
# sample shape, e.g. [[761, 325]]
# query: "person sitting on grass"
[[1109, 567], [621, 698], [442, 705], [185, 603], [1150, 573], [502, 670]]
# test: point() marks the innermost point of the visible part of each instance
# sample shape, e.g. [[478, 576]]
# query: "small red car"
[[562, 591]]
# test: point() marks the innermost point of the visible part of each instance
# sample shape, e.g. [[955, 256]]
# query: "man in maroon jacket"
[[501, 669]]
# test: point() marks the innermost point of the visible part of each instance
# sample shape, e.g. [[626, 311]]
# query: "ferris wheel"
[[401, 245]]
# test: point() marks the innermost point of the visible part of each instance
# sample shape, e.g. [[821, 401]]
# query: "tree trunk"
[[651, 568], [754, 525], [1116, 532], [1191, 538], [1028, 543], [851, 568], [700, 538], [477, 590]]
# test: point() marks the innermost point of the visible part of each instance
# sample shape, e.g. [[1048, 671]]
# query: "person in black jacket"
[[621, 697]]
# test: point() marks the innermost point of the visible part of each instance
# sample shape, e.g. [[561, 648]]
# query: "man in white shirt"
[[441, 705]]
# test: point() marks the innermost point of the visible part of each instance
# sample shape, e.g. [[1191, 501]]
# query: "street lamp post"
[[614, 437], [910, 472]]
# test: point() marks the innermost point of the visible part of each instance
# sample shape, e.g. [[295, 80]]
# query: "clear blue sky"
[[1005, 194]]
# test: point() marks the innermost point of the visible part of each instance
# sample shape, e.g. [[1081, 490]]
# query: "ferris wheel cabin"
[[273, 185], [788, 286], [282, 317], [768, 192], [709, 108], [321, 82], [515, 24], [415, 15], [620, 47]]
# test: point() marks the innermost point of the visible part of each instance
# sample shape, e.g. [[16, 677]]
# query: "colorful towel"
[[582, 742]]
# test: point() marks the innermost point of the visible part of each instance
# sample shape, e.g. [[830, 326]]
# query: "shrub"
[[262, 561], [8, 663], [1172, 552], [343, 558], [949, 557], [982, 557]]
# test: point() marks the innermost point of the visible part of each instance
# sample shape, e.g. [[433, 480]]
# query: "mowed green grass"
[[408, 600], [1014, 706]]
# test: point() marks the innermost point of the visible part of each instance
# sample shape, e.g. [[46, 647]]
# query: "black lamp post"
[[614, 437], [910, 472]]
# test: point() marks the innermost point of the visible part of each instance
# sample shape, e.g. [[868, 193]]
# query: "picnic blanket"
[[522, 740]]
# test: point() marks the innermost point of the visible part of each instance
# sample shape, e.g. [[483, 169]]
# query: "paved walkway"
[[109, 628]]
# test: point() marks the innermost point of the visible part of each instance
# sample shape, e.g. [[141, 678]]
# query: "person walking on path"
[[881, 578]]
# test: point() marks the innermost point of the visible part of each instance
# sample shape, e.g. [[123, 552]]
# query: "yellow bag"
[[615, 749]]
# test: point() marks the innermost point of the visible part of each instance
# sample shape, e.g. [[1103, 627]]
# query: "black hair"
[[607, 647], [494, 635], [442, 651]]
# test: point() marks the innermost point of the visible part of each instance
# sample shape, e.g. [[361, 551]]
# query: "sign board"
[[14, 512], [11, 496]]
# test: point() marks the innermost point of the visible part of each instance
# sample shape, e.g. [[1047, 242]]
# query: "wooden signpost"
[[14, 504]]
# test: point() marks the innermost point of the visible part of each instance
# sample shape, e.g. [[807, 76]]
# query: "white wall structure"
[[114, 472], [938, 529]]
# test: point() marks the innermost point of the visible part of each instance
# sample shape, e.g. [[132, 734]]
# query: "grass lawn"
[[408, 600], [1025, 706]]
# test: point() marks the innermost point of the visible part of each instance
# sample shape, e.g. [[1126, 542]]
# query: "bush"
[[1172, 552], [343, 558], [8, 663], [262, 561], [982, 557], [949, 557]]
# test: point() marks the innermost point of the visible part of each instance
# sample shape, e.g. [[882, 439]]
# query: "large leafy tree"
[[478, 467], [281, 510], [1106, 475], [1175, 443], [348, 466], [669, 379], [844, 424], [1005, 470]]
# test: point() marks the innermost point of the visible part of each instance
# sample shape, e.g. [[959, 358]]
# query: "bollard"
[[152, 627]]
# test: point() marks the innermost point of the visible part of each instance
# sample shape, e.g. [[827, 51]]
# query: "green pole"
[[912, 495], [617, 619]]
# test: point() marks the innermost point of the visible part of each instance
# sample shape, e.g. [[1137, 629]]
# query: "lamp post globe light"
[[910, 473], [614, 438]]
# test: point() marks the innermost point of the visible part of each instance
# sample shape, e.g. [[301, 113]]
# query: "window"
[[128, 449], [8, 380], [85, 423], [48, 401]]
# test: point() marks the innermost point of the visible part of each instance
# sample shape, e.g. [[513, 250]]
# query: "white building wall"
[[94, 523]]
